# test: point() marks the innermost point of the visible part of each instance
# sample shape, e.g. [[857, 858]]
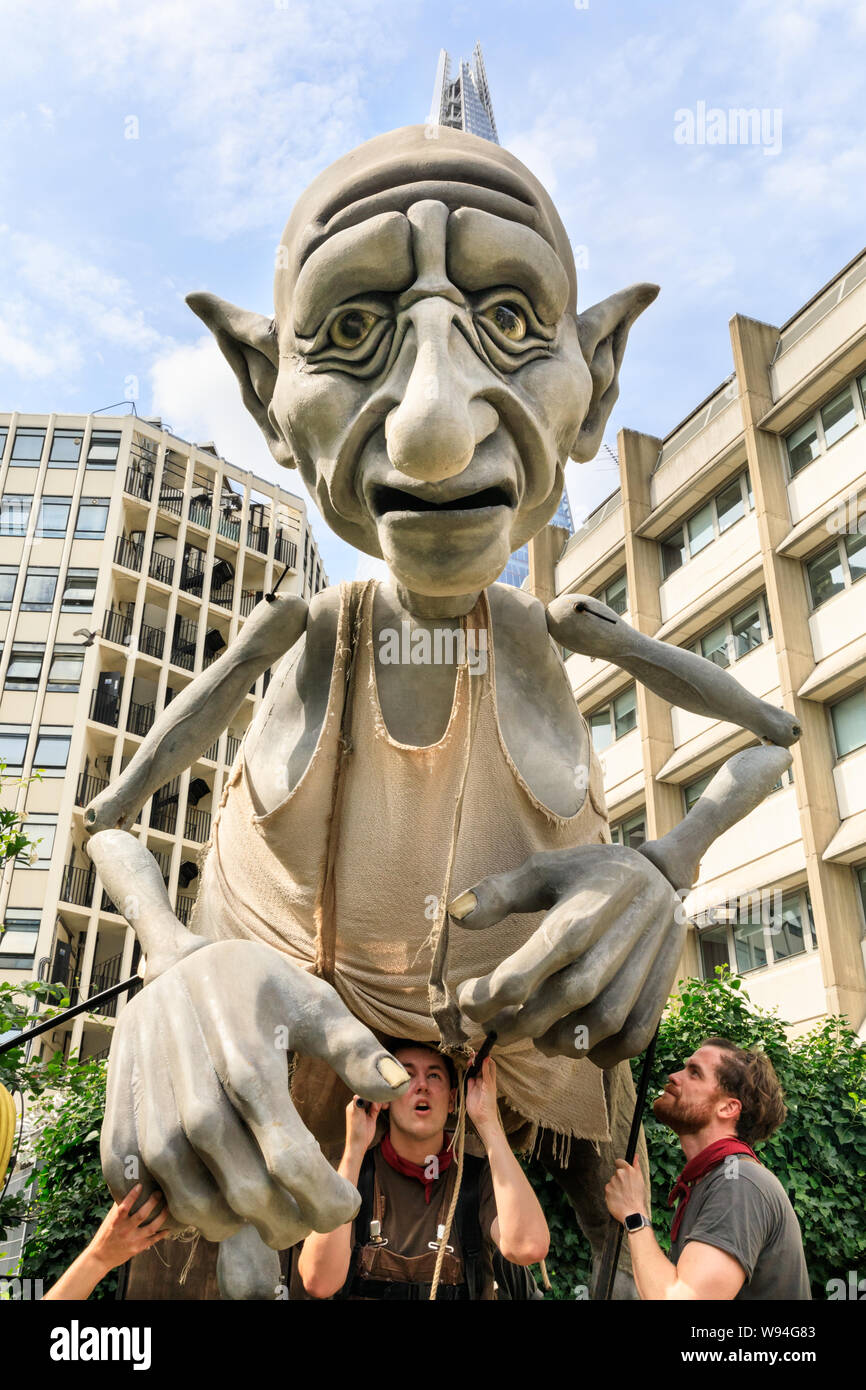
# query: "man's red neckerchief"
[[698, 1167], [421, 1171]]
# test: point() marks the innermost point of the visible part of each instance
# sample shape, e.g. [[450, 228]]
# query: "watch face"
[[634, 1223]]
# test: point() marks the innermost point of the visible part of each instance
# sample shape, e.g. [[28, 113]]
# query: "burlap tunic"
[[263, 876]]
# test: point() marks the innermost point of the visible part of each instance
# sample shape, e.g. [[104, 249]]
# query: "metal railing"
[[151, 640], [103, 976], [161, 567], [232, 746], [183, 644], [77, 884], [164, 862], [105, 707], [140, 718], [286, 552], [200, 514], [89, 787], [138, 483], [257, 537], [163, 814], [129, 554], [224, 595], [171, 499], [212, 753], [183, 906], [249, 599], [107, 905], [196, 825], [192, 579], [229, 528], [117, 627]]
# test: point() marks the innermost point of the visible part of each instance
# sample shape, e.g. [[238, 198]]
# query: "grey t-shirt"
[[743, 1209]]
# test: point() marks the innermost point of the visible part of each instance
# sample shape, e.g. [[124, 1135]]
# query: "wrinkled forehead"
[[356, 210]]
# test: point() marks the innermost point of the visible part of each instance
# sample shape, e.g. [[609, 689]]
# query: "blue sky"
[[238, 103]]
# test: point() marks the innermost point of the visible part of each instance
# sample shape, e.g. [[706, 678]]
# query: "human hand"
[[361, 1124], [125, 1232], [595, 975], [625, 1193], [481, 1104]]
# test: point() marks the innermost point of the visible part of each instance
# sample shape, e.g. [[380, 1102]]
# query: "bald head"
[[384, 177]]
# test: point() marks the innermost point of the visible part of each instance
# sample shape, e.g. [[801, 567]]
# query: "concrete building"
[[129, 559], [742, 536]]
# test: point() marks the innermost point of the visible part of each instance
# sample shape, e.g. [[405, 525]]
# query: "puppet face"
[[431, 383]]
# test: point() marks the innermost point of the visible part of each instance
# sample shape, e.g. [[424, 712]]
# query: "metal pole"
[[89, 1006]]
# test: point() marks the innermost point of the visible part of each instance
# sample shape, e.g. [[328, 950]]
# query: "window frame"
[[840, 757], [89, 502], [39, 572], [12, 572], [807, 922], [609, 709], [682, 531], [53, 733], [78, 572], [619, 829], [22, 651], [6, 511], [53, 532], [760, 599], [28, 432], [604, 596], [16, 731], [837, 544], [64, 433], [34, 821], [858, 396], [65, 650], [103, 464]]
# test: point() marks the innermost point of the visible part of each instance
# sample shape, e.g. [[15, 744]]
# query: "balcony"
[[232, 746], [140, 718], [105, 707], [229, 528], [183, 907], [224, 595], [200, 512], [117, 627], [151, 640], [106, 905], [257, 537], [192, 579], [171, 499], [183, 644], [161, 567], [77, 885], [138, 483], [285, 552], [88, 788], [249, 599], [196, 825], [163, 814], [129, 554], [212, 754]]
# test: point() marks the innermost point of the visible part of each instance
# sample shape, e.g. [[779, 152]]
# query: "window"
[[706, 524], [849, 723], [613, 721], [25, 666], [27, 448], [8, 577], [861, 884], [40, 829], [64, 672], [838, 416], [92, 517], [39, 589], [760, 929], [52, 750], [13, 743], [14, 514], [630, 832], [18, 938], [103, 450], [65, 448], [78, 591], [4, 435], [615, 595], [53, 516], [738, 635], [836, 568], [833, 421]]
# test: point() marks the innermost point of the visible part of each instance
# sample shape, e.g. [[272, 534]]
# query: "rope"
[[458, 1144]]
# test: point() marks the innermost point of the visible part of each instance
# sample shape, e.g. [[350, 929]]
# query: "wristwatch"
[[636, 1222]]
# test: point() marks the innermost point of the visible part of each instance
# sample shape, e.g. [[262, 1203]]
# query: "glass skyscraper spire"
[[464, 103]]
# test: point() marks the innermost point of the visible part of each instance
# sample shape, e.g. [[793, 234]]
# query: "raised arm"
[[587, 626], [198, 716]]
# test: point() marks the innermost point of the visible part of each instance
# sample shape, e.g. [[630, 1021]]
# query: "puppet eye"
[[350, 328], [509, 318]]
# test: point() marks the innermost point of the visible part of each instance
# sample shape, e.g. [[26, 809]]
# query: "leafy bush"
[[819, 1154]]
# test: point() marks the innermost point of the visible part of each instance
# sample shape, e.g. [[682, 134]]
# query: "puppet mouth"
[[394, 499]]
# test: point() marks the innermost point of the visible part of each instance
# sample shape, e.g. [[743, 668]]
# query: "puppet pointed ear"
[[249, 344], [603, 333]]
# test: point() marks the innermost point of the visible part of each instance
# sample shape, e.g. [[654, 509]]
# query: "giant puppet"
[[414, 847]]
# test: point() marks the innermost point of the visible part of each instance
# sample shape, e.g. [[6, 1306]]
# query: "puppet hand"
[[595, 975], [198, 1098]]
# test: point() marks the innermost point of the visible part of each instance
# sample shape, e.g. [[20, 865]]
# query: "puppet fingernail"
[[392, 1072], [462, 906]]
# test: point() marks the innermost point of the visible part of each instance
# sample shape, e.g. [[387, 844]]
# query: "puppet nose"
[[433, 433]]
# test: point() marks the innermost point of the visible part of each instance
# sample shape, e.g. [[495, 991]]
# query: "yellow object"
[[8, 1125]]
